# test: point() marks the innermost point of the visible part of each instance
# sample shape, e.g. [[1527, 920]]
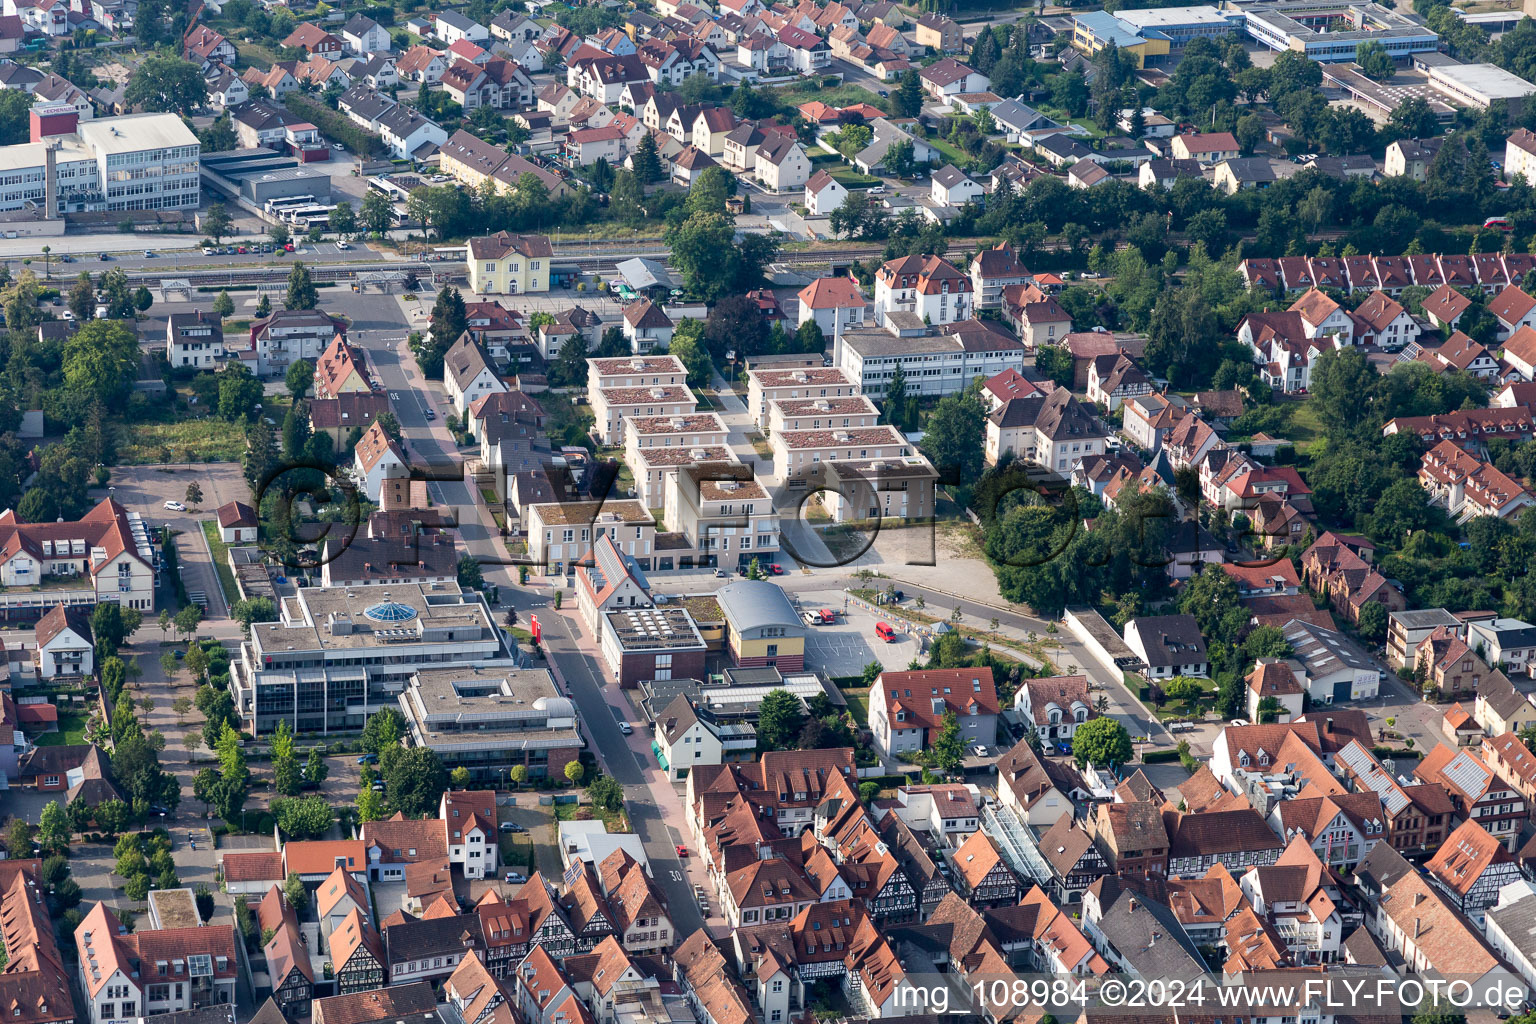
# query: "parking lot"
[[844, 648], [145, 489]]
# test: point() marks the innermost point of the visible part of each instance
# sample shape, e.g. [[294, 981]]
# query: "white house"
[[1056, 706], [195, 340], [64, 646], [378, 458], [906, 709], [363, 36], [835, 303], [1169, 645], [237, 523], [469, 816], [953, 187], [823, 194], [468, 375]]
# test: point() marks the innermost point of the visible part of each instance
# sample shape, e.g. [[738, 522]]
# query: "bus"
[[1498, 224], [288, 202]]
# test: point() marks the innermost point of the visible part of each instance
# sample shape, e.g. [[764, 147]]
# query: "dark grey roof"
[[1251, 168], [1170, 640], [1381, 869], [359, 24], [677, 718], [1146, 934], [949, 176], [415, 939], [1057, 415]]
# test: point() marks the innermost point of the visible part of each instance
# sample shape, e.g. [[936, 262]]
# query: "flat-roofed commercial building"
[[492, 719], [338, 654], [1332, 32], [651, 643], [1479, 85]]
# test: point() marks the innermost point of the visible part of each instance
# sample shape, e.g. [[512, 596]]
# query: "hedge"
[[336, 124], [1159, 756]]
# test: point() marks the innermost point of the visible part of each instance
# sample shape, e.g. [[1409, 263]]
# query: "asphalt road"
[[430, 443]]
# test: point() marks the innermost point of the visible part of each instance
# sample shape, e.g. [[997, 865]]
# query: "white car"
[[207, 250], [175, 506], [343, 246], [67, 315]]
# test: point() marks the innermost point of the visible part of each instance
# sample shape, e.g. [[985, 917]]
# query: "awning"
[[660, 757]]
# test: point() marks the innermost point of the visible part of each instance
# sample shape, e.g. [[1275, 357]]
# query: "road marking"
[[677, 876]]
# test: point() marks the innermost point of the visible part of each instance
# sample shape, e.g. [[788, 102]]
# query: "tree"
[[378, 214], [315, 768], [574, 772], [107, 627], [101, 361], [948, 748], [954, 437], [343, 219], [234, 776], [53, 828], [306, 818], [279, 234], [298, 896], [606, 793], [893, 410], [216, 222], [301, 290], [142, 299], [82, 298], [1375, 61], [518, 774], [1249, 132], [264, 303], [253, 609], [686, 345], [194, 494], [414, 779], [1102, 741], [908, 97], [370, 805], [383, 730], [239, 394], [18, 839], [470, 576], [223, 305], [646, 162], [205, 904], [285, 767], [779, 720], [459, 777], [167, 85]]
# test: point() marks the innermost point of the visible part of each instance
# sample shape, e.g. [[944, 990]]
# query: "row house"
[[1488, 272], [1471, 868], [1471, 429], [1074, 860], [1476, 791], [1302, 900], [1334, 568], [1413, 919], [1458, 352], [1341, 827], [1468, 487], [1418, 815], [624, 375], [1236, 838], [984, 878]]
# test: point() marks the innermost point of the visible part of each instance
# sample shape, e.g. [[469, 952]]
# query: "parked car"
[[149, 254], [776, 569], [174, 506], [682, 851], [721, 574], [368, 759], [516, 878], [431, 414]]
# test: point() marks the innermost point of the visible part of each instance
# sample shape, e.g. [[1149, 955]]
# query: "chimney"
[[1131, 906], [50, 179], [1416, 923]]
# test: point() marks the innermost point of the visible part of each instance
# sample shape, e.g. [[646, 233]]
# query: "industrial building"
[[137, 162]]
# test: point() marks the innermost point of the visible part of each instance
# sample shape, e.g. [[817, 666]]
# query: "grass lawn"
[[1197, 707], [221, 561], [858, 705], [955, 155], [837, 96], [71, 730], [208, 439], [850, 178]]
